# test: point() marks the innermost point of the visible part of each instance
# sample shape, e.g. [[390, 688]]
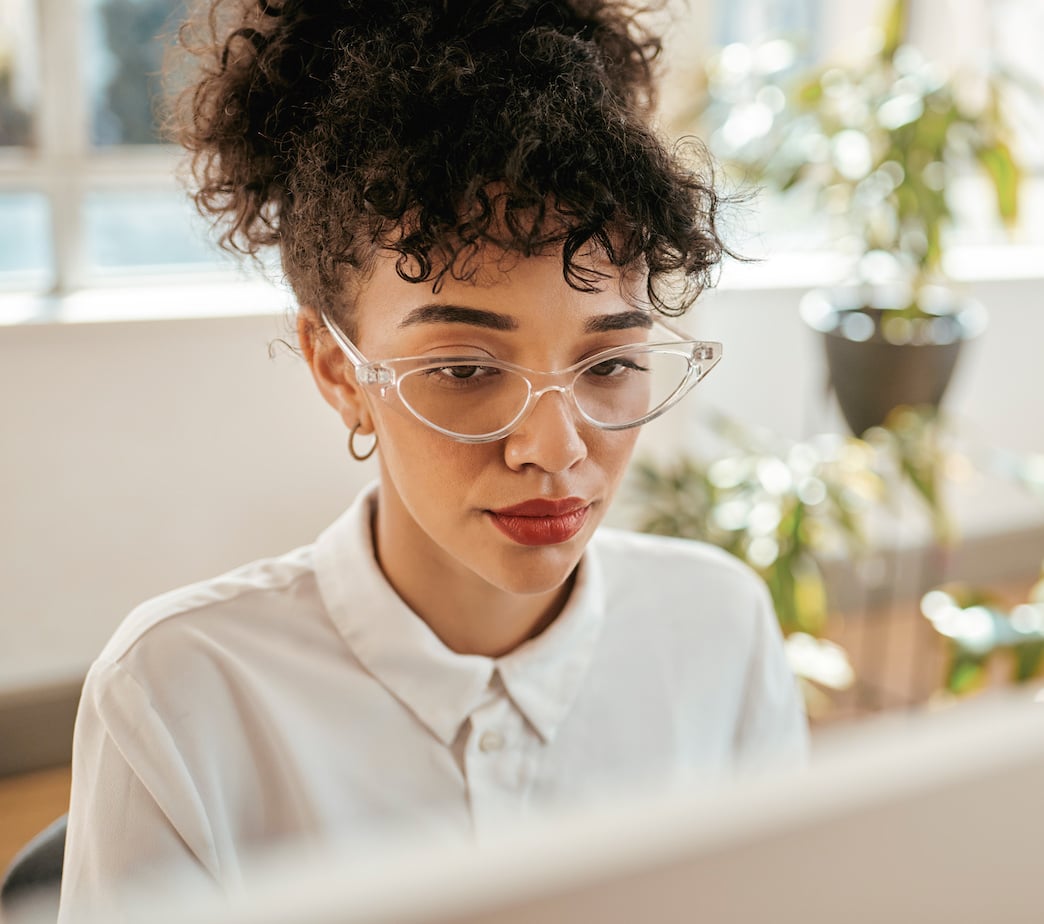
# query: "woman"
[[484, 237]]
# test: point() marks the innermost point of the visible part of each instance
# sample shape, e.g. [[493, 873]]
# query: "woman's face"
[[480, 511]]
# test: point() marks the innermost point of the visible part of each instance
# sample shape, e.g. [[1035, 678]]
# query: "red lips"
[[542, 507], [542, 520]]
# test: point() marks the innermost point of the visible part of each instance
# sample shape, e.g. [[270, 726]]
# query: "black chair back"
[[34, 878]]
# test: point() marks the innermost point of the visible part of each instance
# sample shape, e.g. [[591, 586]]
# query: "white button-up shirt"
[[299, 698]]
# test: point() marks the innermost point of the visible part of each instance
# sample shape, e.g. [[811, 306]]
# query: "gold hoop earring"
[[351, 445]]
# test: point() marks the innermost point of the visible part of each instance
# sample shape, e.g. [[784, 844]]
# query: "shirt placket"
[[498, 766]]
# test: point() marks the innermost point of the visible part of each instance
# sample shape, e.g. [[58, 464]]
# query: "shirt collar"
[[543, 675], [439, 686]]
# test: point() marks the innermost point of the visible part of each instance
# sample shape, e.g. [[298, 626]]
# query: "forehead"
[[531, 291]]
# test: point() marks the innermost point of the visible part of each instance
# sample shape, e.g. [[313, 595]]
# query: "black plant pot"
[[879, 361]]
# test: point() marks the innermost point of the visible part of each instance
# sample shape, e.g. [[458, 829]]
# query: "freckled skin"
[[479, 590]]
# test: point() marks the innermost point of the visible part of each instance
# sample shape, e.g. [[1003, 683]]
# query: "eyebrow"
[[622, 320], [458, 314], [479, 317]]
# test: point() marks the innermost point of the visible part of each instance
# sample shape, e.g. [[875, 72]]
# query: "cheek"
[[420, 460], [612, 451], [425, 466]]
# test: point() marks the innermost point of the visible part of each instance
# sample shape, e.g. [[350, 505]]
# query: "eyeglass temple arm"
[[683, 335], [343, 342]]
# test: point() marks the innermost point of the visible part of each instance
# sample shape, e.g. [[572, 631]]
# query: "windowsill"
[[159, 298], [172, 297], [965, 264]]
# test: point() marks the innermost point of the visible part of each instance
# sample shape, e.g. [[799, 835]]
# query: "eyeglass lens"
[[473, 399]]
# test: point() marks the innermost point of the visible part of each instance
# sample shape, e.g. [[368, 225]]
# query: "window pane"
[[143, 229], [126, 40], [25, 257], [1016, 46], [18, 72], [755, 21]]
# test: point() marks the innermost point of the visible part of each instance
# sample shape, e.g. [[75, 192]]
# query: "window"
[[752, 21], [87, 185], [1015, 42], [958, 35]]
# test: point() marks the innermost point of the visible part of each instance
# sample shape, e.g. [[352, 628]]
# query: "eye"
[[466, 372], [616, 367], [461, 373]]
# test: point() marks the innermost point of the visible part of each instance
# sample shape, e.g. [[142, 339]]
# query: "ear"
[[332, 371]]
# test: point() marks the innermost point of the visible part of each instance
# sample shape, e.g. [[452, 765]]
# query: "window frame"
[[64, 167], [61, 164]]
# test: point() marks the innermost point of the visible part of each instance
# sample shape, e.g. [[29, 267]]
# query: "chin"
[[537, 570]]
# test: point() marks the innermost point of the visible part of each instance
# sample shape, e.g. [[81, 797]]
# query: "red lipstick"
[[542, 521]]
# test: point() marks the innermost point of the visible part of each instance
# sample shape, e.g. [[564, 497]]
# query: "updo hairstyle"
[[336, 128]]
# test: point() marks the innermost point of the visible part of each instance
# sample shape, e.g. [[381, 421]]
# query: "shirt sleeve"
[[134, 812], [773, 729]]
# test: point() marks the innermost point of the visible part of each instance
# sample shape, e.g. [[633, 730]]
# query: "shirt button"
[[490, 741]]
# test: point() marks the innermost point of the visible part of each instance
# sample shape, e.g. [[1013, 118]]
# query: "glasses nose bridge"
[[563, 385], [540, 383]]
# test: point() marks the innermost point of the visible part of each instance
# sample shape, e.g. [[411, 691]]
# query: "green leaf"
[[790, 177], [810, 598], [1027, 661], [810, 93], [965, 675], [894, 27], [1005, 175]]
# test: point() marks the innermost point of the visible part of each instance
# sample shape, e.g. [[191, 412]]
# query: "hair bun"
[[331, 127]]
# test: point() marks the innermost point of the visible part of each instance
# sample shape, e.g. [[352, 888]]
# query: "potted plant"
[[786, 507], [978, 628], [876, 145]]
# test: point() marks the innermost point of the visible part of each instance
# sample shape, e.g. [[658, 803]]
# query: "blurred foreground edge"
[[926, 817]]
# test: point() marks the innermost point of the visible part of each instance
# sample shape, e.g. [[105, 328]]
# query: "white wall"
[[774, 376], [140, 455]]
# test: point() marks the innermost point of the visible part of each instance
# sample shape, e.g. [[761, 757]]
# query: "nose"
[[548, 437]]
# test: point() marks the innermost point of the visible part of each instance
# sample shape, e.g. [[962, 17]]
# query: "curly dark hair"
[[336, 128]]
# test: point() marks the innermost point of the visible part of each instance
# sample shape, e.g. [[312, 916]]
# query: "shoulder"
[[684, 594], [194, 658], [669, 565], [239, 600]]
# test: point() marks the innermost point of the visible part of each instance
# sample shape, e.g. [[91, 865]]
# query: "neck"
[[485, 621], [469, 615]]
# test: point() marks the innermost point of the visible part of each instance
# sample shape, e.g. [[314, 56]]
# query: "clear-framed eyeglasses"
[[479, 399]]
